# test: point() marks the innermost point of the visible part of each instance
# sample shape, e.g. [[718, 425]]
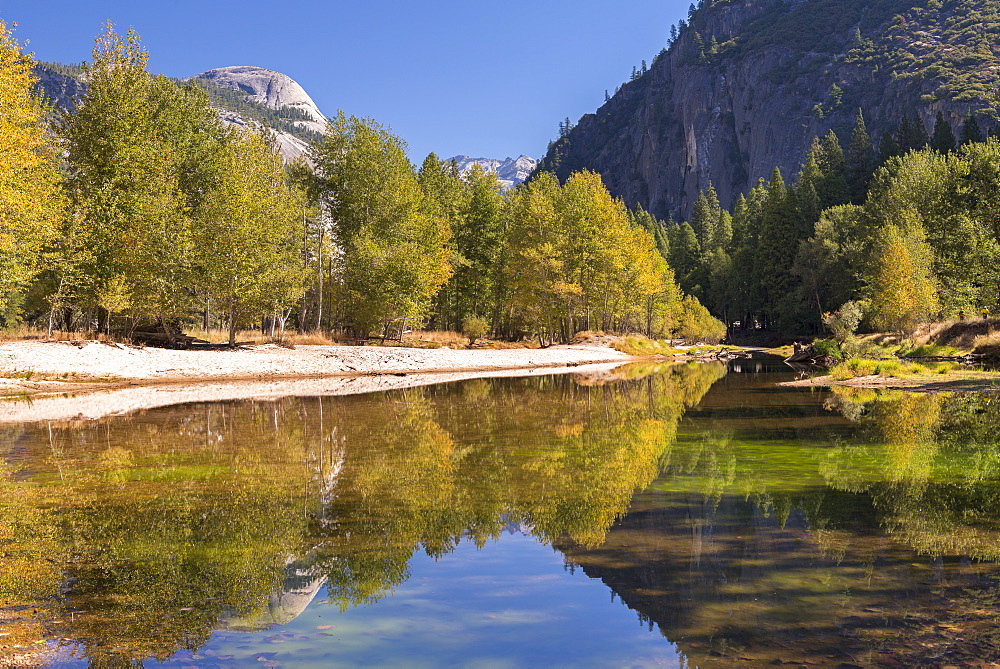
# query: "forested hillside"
[[743, 86]]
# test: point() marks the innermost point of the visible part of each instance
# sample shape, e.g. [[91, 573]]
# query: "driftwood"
[[156, 335], [804, 354]]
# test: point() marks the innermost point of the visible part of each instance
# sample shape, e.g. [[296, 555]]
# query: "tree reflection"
[[153, 530], [931, 465]]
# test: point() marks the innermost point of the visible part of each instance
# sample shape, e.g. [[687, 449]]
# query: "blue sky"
[[473, 78]]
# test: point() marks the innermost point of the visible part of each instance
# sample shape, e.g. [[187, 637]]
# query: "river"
[[660, 515]]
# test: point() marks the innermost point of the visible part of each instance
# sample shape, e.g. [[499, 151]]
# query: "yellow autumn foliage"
[[30, 194]]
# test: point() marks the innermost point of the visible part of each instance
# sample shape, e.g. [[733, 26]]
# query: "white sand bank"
[[115, 361], [120, 401], [64, 380]]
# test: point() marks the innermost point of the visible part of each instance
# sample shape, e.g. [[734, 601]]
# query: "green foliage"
[[32, 205], [856, 367], [394, 257], [137, 146], [250, 233], [903, 291], [475, 327], [575, 261], [932, 351], [828, 348], [844, 322], [946, 46], [698, 325]]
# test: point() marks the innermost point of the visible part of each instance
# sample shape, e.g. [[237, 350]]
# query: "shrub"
[[697, 324], [475, 327], [844, 322], [828, 348]]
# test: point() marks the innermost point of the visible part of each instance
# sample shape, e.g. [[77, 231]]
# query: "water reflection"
[[857, 545], [134, 538], [748, 523]]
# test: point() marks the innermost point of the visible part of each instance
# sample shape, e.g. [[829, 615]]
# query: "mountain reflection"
[[136, 537]]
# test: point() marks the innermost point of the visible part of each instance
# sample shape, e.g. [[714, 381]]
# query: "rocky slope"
[[272, 90], [750, 83], [510, 171], [244, 96]]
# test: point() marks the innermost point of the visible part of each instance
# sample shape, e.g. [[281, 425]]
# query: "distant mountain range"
[[510, 171], [247, 95]]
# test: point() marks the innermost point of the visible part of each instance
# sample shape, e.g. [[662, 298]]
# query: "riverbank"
[[31, 365], [90, 379], [955, 381]]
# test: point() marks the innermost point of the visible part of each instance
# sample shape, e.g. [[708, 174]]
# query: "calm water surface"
[[687, 515]]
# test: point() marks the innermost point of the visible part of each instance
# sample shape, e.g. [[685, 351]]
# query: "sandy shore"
[[88, 379], [116, 401]]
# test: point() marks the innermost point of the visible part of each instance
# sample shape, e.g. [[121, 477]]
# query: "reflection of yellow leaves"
[[908, 423], [564, 431]]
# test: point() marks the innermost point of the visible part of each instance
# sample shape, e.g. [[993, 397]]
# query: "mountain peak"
[[269, 88], [510, 171]]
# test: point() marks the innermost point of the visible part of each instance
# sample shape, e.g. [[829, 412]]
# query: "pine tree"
[[657, 229], [887, 148], [705, 216], [833, 189], [31, 199], [779, 241], [807, 186], [860, 161], [920, 137], [685, 254], [970, 131], [722, 238], [943, 139], [904, 136], [479, 237]]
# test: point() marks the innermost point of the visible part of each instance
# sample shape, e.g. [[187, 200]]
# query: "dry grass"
[[435, 339], [22, 333], [289, 338], [456, 340], [964, 335]]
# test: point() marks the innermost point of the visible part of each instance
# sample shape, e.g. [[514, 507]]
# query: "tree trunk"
[[319, 296], [232, 329]]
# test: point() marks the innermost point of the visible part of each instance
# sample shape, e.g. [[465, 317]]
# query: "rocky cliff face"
[[298, 119], [269, 88], [510, 171], [56, 87], [743, 91], [273, 90]]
